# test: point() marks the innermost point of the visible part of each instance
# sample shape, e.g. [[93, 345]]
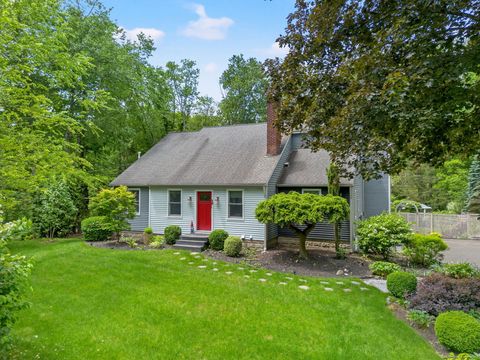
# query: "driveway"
[[463, 250]]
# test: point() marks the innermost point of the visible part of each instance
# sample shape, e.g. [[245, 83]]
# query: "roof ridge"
[[232, 125]]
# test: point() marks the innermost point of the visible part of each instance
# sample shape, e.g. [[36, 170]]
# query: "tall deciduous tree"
[[377, 83], [183, 80], [244, 85]]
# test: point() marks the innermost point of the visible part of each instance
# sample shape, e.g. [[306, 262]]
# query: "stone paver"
[[262, 280], [303, 287], [202, 267], [228, 272], [380, 284], [328, 289], [282, 283]]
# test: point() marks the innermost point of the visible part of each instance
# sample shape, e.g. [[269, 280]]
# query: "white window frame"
[[139, 198], [307, 191], [235, 218], [168, 204]]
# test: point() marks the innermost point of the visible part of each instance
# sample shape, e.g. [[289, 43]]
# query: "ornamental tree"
[[116, 204], [301, 212]]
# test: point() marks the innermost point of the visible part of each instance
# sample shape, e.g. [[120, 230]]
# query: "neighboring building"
[[214, 178]]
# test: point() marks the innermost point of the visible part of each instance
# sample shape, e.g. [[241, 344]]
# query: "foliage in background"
[[425, 250], [472, 203], [117, 204], [97, 228], [294, 211], [55, 212], [458, 270], [400, 78], [14, 274], [244, 86], [380, 234], [437, 293]]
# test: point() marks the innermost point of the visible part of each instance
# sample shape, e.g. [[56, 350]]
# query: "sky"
[[208, 31]]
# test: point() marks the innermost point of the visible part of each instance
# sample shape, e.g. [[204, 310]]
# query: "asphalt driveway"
[[463, 250]]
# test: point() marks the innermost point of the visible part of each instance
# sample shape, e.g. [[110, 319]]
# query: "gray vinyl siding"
[[247, 226], [272, 229], [376, 196], [140, 221]]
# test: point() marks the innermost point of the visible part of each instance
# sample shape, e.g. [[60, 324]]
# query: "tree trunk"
[[336, 231], [303, 250]]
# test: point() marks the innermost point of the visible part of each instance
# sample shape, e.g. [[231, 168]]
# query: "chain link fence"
[[451, 226]]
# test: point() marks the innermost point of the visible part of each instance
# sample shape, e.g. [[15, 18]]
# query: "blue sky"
[[207, 31]]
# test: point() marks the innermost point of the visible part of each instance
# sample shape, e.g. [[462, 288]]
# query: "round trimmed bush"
[[401, 283], [172, 234], [217, 238], [232, 246], [96, 228], [148, 230], [458, 331], [383, 268]]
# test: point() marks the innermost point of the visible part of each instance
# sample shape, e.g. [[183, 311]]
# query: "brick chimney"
[[274, 137]]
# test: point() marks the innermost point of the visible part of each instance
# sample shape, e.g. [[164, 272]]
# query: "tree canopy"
[[400, 78], [301, 212]]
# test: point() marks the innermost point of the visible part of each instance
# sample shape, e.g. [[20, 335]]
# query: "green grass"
[[91, 303]]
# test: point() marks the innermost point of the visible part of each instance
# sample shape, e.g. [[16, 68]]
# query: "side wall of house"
[[247, 226], [376, 196], [140, 221]]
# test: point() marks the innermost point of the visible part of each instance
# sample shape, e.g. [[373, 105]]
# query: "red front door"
[[204, 210]]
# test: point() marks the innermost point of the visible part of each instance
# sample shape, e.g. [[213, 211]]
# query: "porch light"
[[250, 238], [217, 199], [189, 199], [242, 237]]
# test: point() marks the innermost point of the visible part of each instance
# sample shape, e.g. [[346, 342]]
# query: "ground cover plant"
[[100, 303]]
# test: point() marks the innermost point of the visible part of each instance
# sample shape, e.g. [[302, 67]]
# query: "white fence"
[[451, 226]]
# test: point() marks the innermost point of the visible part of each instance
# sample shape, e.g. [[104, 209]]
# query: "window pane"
[[205, 196], [310, 191], [175, 196], [175, 209], [136, 193], [235, 210], [235, 197]]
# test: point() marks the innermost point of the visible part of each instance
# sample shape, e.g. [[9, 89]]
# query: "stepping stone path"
[[228, 272], [193, 253], [197, 257], [176, 253], [268, 274], [253, 271], [289, 278], [240, 268], [328, 289], [201, 266], [205, 260], [215, 269], [339, 282], [303, 287], [246, 276], [347, 290], [215, 263], [363, 288], [302, 280], [190, 263], [324, 282], [183, 258], [355, 283], [282, 283], [262, 280], [380, 284]]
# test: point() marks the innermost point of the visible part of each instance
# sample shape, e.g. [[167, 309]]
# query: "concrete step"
[[194, 248], [192, 242], [194, 236]]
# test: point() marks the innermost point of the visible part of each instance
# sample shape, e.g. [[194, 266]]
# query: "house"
[[214, 178]]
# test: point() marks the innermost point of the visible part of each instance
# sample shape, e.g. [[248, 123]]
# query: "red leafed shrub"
[[438, 293]]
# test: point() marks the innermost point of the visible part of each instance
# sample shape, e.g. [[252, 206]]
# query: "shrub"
[[232, 246], [157, 242], [172, 234], [380, 234], [383, 268], [458, 331], [117, 204], [438, 293], [96, 228], [463, 356], [217, 238], [459, 271], [55, 212], [424, 249], [420, 318], [20, 229], [14, 273], [131, 242], [401, 283], [148, 230]]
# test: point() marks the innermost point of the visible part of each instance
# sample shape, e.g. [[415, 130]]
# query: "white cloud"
[[275, 50], [132, 34], [205, 27], [210, 68]]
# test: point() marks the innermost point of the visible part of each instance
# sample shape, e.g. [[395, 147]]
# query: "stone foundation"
[[293, 243]]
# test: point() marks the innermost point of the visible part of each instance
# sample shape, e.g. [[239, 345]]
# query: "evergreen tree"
[[473, 189]]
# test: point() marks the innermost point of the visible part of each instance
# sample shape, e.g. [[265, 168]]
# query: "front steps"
[[195, 242]]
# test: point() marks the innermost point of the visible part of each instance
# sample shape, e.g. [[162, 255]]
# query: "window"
[[136, 193], [235, 204], [174, 202], [312, 191]]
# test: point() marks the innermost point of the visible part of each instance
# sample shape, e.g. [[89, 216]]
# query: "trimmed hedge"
[[217, 238], [172, 233], [96, 228], [401, 283], [232, 246], [458, 331], [425, 249]]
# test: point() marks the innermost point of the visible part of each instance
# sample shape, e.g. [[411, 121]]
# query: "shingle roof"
[[228, 155], [307, 168]]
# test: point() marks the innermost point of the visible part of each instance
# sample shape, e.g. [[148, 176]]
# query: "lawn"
[[91, 303]]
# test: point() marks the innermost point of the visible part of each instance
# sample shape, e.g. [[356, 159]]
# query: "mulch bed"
[[114, 244]]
